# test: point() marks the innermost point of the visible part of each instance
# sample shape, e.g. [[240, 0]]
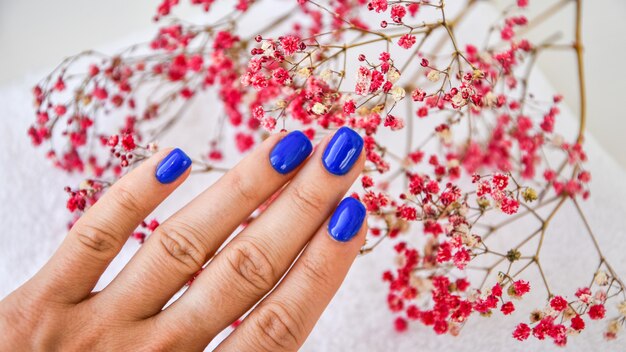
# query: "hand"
[[56, 309]]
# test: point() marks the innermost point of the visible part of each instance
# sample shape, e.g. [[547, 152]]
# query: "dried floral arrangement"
[[492, 158]]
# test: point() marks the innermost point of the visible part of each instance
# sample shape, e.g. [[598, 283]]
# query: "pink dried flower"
[[407, 41], [597, 311], [475, 148]]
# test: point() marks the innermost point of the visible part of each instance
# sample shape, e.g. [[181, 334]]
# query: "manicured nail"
[[290, 152], [342, 151], [346, 220], [172, 166]]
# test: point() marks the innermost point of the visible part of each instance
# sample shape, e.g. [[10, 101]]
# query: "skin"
[[57, 310]]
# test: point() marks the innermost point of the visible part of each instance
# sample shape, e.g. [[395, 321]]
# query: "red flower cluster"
[[479, 150]]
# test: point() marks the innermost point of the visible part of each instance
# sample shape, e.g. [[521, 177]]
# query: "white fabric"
[[33, 221]]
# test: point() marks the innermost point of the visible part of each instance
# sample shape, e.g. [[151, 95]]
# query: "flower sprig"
[[492, 155]]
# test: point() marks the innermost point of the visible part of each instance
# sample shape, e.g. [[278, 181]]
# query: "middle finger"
[[257, 258], [183, 243]]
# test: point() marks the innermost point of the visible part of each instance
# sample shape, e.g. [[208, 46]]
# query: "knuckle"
[[24, 321], [98, 240], [163, 342], [242, 187], [307, 199], [252, 267], [316, 270], [128, 202], [83, 333], [160, 344], [279, 329], [182, 244], [88, 338]]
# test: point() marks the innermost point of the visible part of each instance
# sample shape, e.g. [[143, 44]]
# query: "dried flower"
[[449, 185]]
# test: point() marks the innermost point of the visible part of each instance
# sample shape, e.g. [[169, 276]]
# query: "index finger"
[[97, 237]]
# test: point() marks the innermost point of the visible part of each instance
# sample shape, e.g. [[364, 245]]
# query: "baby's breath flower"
[[268, 48], [458, 99], [475, 124], [318, 108], [491, 99], [614, 326], [393, 75], [304, 72], [622, 308], [397, 93], [326, 75], [529, 194], [601, 278], [433, 75], [536, 315]]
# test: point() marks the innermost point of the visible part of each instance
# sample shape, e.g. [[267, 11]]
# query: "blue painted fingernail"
[[342, 151], [346, 220], [172, 166], [290, 152]]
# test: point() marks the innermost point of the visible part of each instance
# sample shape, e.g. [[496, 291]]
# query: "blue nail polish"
[[172, 166], [346, 220], [290, 152], [342, 151]]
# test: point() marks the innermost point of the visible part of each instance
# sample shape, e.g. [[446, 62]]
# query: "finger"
[[284, 319], [253, 262], [97, 237], [184, 242]]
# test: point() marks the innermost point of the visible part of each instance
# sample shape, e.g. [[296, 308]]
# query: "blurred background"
[[36, 34]]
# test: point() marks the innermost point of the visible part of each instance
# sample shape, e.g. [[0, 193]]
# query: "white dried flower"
[[84, 185], [463, 210], [557, 140], [462, 229], [601, 278], [569, 313], [398, 93], [304, 72], [454, 162], [622, 308], [268, 49], [318, 108], [326, 75], [614, 326], [433, 75], [458, 99], [491, 99], [473, 295], [549, 311], [536, 315], [470, 240], [281, 104], [445, 135], [393, 75]]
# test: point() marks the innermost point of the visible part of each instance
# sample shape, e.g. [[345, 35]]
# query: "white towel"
[[33, 221]]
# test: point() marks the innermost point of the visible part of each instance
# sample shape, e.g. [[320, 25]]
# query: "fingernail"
[[290, 152], [346, 220], [342, 151], [172, 166]]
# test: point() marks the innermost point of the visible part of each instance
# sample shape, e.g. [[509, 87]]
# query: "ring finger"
[[184, 242], [284, 319], [257, 258]]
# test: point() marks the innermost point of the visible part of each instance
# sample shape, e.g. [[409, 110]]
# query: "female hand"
[[56, 309]]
